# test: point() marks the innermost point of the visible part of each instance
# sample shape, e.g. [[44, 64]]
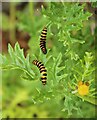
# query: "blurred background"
[[17, 95]]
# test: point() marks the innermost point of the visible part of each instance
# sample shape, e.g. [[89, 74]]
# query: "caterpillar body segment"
[[42, 69], [43, 40]]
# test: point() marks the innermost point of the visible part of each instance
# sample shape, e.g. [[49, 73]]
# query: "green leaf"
[[26, 77], [61, 77], [59, 59], [60, 68], [18, 61], [3, 59], [11, 53]]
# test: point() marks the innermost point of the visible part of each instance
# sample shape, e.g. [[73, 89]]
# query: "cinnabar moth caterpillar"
[[43, 40], [42, 69]]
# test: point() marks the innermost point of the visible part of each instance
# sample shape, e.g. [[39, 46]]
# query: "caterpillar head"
[[44, 50], [34, 62]]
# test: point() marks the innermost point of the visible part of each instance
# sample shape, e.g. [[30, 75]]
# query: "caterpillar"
[[43, 40], [42, 69]]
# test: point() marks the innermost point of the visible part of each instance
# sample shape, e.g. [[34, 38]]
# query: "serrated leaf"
[[77, 71], [19, 61], [48, 58], [61, 77], [6, 67], [28, 66], [3, 59], [11, 52], [19, 53], [77, 41], [58, 60], [60, 69], [25, 77]]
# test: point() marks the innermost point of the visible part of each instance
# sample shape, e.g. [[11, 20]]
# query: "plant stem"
[[12, 23], [31, 11]]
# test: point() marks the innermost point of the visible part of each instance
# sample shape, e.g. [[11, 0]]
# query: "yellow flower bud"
[[80, 83], [83, 89]]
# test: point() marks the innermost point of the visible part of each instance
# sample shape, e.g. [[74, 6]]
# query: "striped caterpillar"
[[42, 69], [43, 40]]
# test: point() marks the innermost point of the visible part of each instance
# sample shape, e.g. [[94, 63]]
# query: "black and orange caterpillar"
[[43, 40], [42, 69]]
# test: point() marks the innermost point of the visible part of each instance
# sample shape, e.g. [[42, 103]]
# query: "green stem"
[[48, 24], [12, 23], [31, 11], [88, 99]]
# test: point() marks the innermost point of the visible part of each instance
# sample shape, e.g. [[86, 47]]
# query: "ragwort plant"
[[65, 65]]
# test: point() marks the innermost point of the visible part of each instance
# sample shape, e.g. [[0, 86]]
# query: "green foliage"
[[68, 60], [93, 1], [66, 21], [56, 83], [84, 69], [94, 4], [17, 61]]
